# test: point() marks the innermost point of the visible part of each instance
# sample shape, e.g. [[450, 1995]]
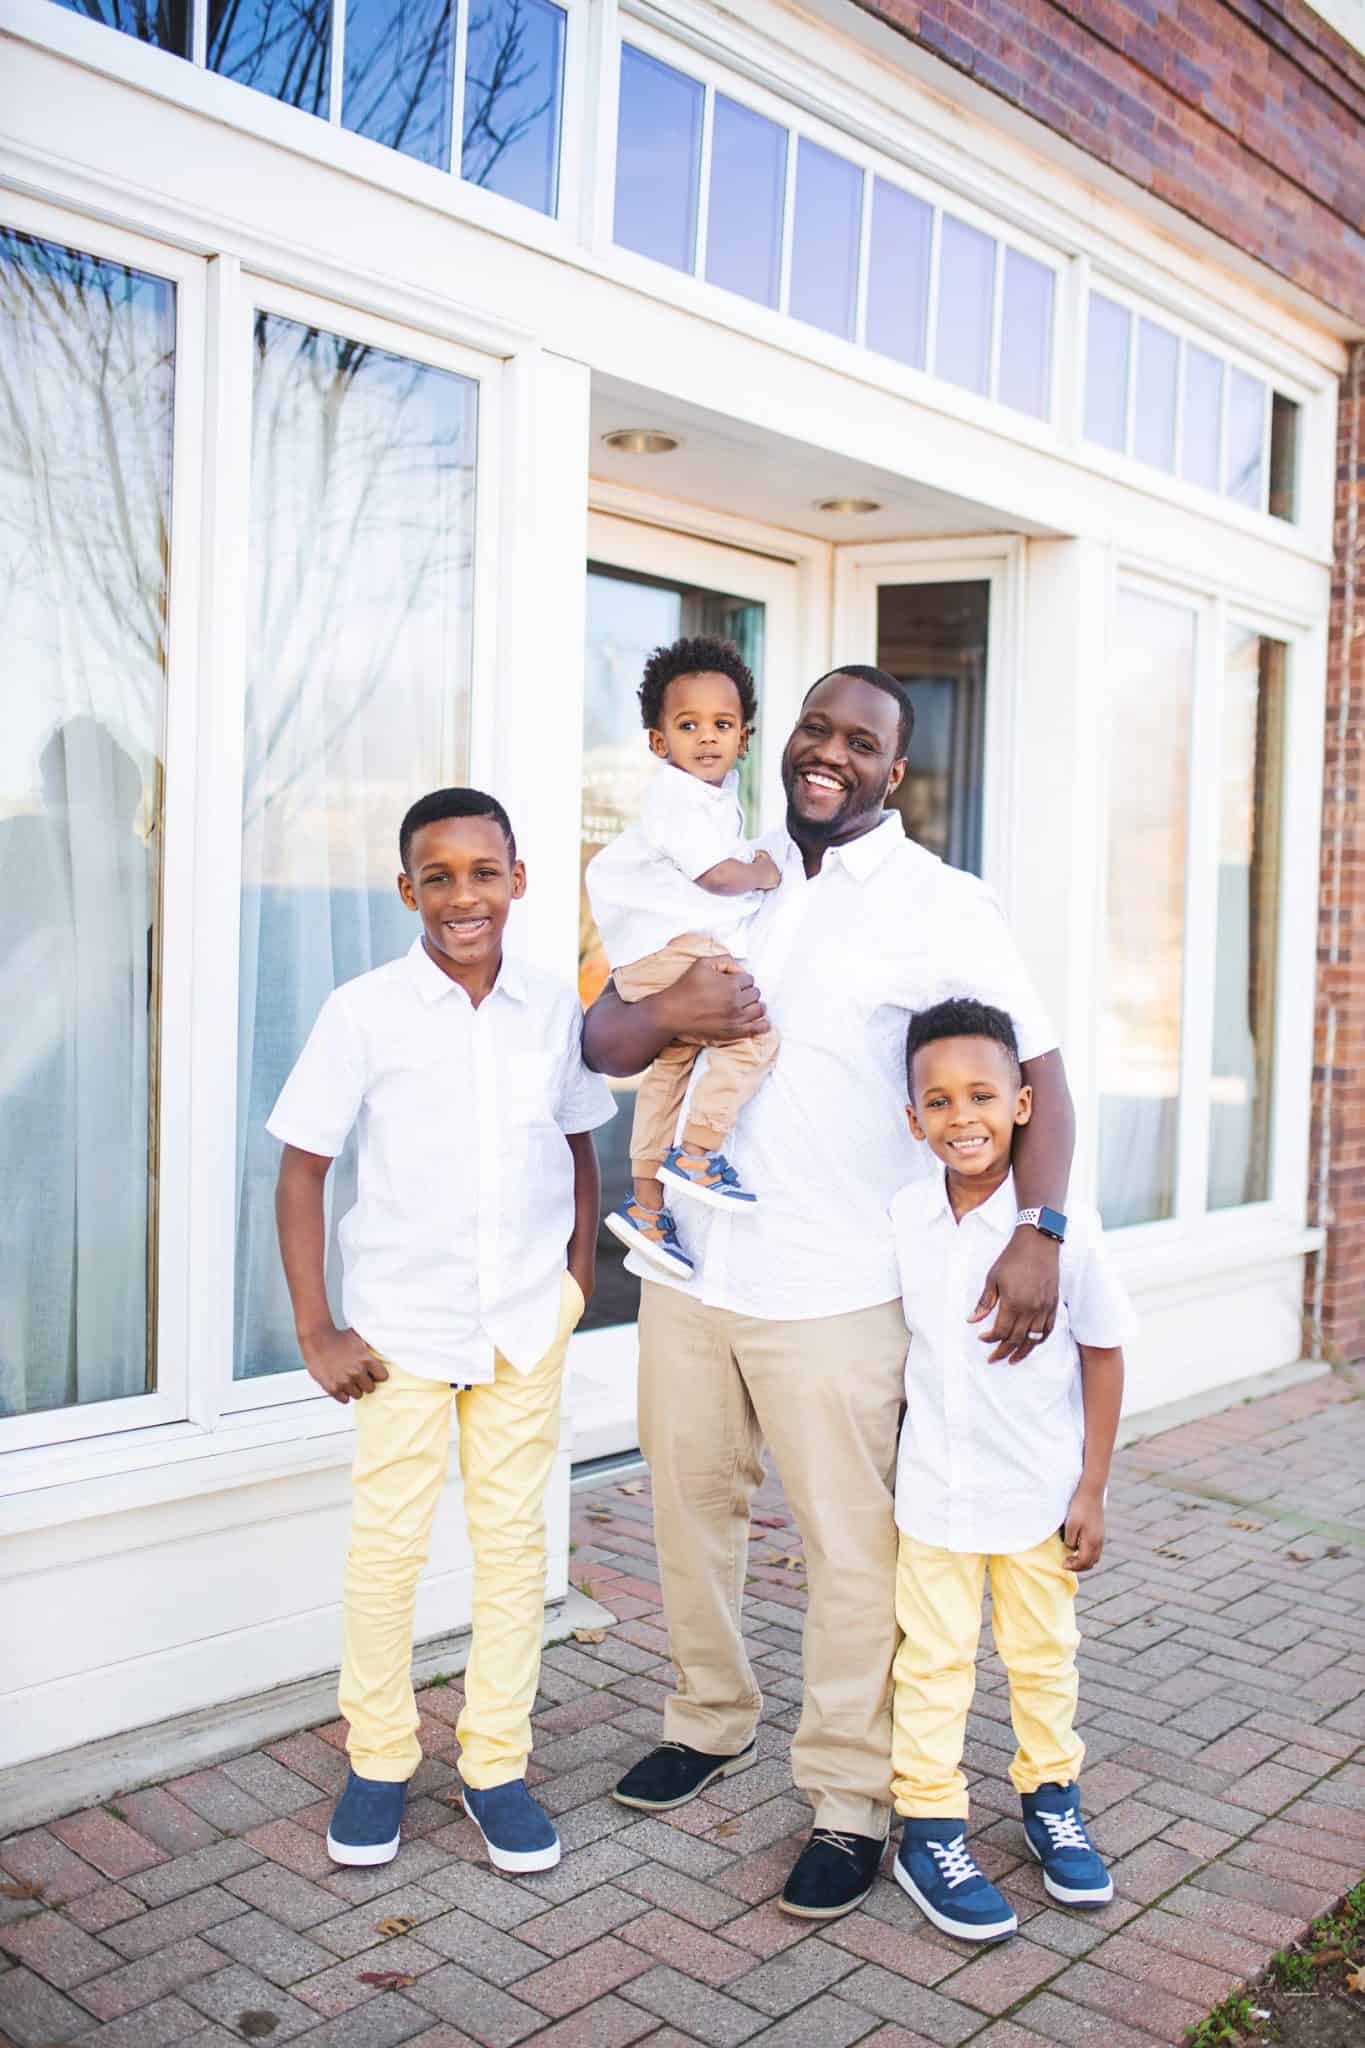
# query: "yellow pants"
[[509, 1433], [1033, 1615]]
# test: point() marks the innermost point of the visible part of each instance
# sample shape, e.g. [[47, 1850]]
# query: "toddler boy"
[[467, 1260], [677, 886], [1002, 1471]]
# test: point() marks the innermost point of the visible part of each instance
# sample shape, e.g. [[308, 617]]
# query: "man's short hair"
[[958, 1017], [452, 803], [897, 691], [702, 655]]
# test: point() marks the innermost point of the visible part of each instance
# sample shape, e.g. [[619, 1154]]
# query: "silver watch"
[[1051, 1222]]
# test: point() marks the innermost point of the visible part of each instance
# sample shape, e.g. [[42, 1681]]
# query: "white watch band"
[[1028, 1216]]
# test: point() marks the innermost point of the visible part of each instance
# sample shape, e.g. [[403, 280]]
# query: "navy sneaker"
[[934, 1865], [707, 1177], [366, 1821], [1073, 1869], [653, 1234], [518, 1834]]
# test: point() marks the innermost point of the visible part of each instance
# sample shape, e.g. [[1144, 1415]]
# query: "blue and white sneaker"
[[707, 1177], [366, 1822], [653, 1234], [1073, 1869], [518, 1834], [934, 1865]]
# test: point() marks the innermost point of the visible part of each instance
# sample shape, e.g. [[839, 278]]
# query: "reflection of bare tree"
[[281, 47], [399, 62], [501, 64], [165, 22]]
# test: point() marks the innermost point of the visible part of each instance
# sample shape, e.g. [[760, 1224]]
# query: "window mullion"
[[199, 33], [457, 86], [338, 61], [708, 123], [784, 275], [1201, 919]]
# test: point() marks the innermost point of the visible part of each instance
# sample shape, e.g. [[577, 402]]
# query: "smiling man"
[[792, 1332]]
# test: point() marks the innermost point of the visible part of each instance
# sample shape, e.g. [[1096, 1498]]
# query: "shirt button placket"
[[489, 1159], [958, 1336]]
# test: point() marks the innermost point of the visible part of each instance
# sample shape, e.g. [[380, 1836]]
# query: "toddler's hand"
[[767, 874], [342, 1363], [1083, 1530]]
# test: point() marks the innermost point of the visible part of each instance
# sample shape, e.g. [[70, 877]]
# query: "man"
[[792, 1331]]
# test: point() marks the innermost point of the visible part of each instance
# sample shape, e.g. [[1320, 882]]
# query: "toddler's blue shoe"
[[707, 1177], [366, 1822], [653, 1234], [934, 1865], [518, 1834], [1073, 1869]]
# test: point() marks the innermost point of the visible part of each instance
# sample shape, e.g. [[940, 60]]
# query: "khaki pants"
[[1033, 1619], [509, 1433], [826, 1395], [732, 1072]]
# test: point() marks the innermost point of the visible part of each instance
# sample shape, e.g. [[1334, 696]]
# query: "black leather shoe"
[[832, 1875], [672, 1774]]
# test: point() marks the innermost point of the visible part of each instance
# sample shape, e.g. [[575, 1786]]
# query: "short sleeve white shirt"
[[990, 1455], [841, 959], [455, 1246], [643, 886]]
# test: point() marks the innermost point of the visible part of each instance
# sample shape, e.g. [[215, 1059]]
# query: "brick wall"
[[1247, 115], [1336, 1292]]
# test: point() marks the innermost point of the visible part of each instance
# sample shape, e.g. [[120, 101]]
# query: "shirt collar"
[[997, 1214], [862, 856], [431, 983]]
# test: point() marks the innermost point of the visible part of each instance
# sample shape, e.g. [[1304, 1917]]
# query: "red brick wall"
[[1336, 1290], [1247, 115]]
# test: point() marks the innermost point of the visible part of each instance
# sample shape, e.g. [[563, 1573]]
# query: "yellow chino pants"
[[509, 1433], [1033, 1618]]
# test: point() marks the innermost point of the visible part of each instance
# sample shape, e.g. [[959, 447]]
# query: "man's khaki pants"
[[826, 1395]]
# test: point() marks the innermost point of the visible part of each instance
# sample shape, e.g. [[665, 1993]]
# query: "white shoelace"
[[844, 1842], [1065, 1830], [954, 1860]]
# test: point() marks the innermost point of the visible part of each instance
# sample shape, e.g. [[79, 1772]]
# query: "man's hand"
[[715, 1000], [342, 1363], [1022, 1288], [1083, 1533], [767, 874]]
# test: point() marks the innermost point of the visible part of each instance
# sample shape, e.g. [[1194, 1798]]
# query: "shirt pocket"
[[529, 1094]]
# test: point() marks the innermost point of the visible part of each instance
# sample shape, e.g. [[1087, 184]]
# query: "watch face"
[[1052, 1223]]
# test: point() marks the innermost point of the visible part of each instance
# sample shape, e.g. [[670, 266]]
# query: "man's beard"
[[823, 831]]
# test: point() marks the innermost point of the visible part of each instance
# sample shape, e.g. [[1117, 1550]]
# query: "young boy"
[[467, 1261], [1002, 1470], [681, 885]]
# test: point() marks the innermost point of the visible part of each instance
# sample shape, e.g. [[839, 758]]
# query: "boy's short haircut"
[[452, 803], [703, 655], [958, 1017], [895, 689]]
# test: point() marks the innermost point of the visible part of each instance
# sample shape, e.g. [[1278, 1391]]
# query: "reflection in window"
[[966, 283], [829, 209], [1151, 696], [898, 273], [658, 159], [86, 356], [282, 47], [1284, 457], [748, 190], [397, 76], [1246, 439], [1251, 778], [933, 636], [1108, 341], [166, 23], [1157, 381], [1201, 431], [1026, 335], [362, 506], [513, 87]]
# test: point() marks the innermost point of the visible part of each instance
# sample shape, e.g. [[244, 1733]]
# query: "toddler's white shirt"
[[643, 887], [456, 1244], [990, 1455]]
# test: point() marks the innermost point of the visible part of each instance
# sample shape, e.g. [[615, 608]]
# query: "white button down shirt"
[[456, 1244], [643, 887], [842, 958], [990, 1455]]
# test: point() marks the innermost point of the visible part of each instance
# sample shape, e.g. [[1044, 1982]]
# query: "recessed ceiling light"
[[641, 441], [847, 507]]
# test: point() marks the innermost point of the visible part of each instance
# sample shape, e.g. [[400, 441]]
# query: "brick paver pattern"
[[1223, 1704]]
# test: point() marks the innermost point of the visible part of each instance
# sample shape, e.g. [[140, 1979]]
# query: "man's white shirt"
[[841, 959], [990, 1455], [643, 887], [456, 1243]]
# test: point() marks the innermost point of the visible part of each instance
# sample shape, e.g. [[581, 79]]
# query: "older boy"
[[468, 1259]]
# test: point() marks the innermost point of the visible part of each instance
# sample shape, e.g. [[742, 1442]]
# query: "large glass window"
[[1026, 342], [86, 374], [825, 230], [1246, 439], [658, 159], [398, 75], [898, 273], [1108, 345], [1158, 382], [362, 503], [966, 287], [1152, 672], [748, 193], [166, 23], [513, 86], [283, 47], [933, 636], [1202, 418]]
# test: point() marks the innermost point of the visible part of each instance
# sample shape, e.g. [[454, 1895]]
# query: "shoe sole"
[[362, 1855], [725, 1770], [825, 1912], [732, 1204], [999, 1932], [519, 1860], [1069, 1898], [636, 1241]]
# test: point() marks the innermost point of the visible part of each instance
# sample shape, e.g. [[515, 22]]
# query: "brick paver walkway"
[[1223, 1703]]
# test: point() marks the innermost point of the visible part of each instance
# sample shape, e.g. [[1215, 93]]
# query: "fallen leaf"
[[1325, 1956], [1298, 1557], [633, 1486], [385, 1980], [1246, 1525], [598, 1514], [1355, 1977], [20, 1888], [254, 2026], [590, 1635], [397, 1924], [727, 1827]]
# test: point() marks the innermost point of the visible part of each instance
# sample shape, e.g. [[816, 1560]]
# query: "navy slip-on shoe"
[[518, 1834], [366, 1822]]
